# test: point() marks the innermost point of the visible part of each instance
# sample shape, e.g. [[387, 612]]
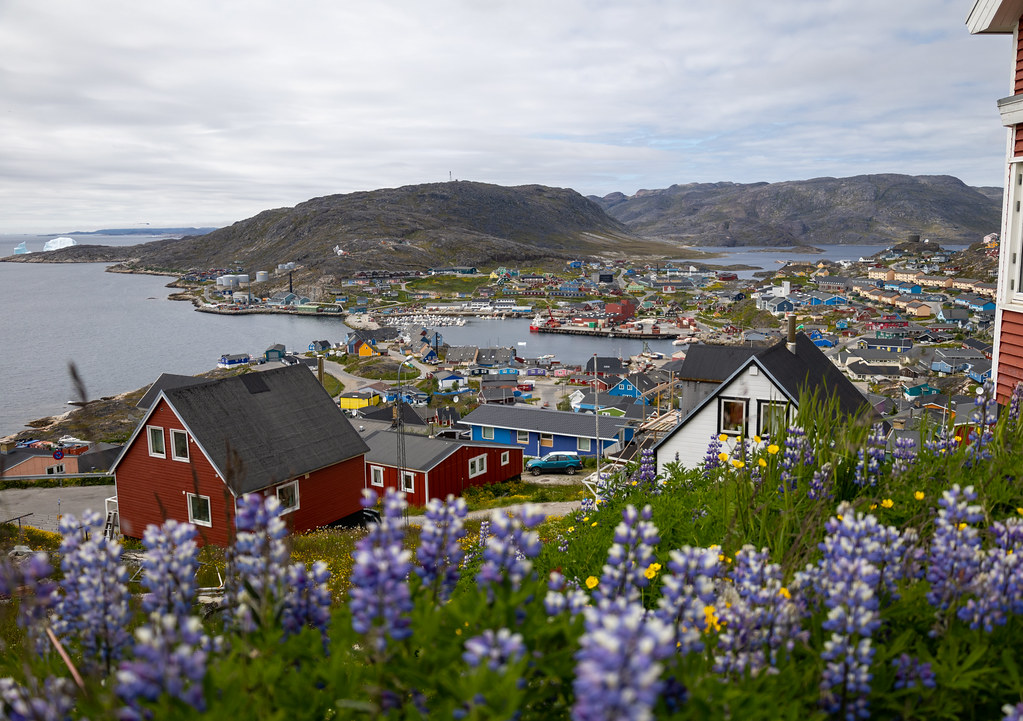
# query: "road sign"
[[58, 454]]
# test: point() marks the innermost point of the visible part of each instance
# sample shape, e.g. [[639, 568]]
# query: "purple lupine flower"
[[380, 598], [909, 671], [618, 664], [497, 650], [984, 416], [942, 443], [307, 600], [760, 619], [55, 699], [1012, 713], [645, 477], [852, 533], [998, 585], [440, 550], [903, 455], [1015, 402], [564, 596], [871, 457], [713, 458], [629, 557], [30, 581], [170, 656], [510, 547], [852, 619], [797, 454], [610, 486], [93, 610], [821, 484], [257, 563], [955, 555], [476, 550], [687, 591], [170, 563]]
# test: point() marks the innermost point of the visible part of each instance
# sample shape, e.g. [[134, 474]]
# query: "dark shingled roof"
[[714, 363], [527, 418], [166, 381], [281, 423]]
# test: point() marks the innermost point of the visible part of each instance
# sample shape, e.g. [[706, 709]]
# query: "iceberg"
[[58, 243], [20, 249]]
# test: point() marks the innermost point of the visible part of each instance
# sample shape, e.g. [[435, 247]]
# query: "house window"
[[488, 433], [582, 444], [52, 470], [1011, 289], [287, 494], [179, 445], [505, 458], [156, 447], [522, 436], [376, 476], [477, 466], [199, 510], [408, 481], [547, 440], [732, 416], [772, 417]]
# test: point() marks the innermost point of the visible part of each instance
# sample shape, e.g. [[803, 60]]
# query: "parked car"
[[559, 461]]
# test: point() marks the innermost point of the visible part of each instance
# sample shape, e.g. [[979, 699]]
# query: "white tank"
[[262, 276], [243, 278]]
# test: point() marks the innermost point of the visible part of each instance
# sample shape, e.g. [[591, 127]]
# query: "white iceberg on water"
[[58, 243], [20, 249]]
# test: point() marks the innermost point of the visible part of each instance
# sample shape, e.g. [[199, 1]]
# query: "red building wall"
[[1010, 355], [151, 490], [451, 476]]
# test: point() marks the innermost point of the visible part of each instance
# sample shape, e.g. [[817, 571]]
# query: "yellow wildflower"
[[737, 463], [571, 528], [591, 582], [873, 506], [763, 463], [757, 439], [919, 495], [592, 525], [772, 449], [711, 619], [887, 503], [784, 593], [839, 516], [722, 438], [652, 570], [722, 457], [635, 482], [962, 526]]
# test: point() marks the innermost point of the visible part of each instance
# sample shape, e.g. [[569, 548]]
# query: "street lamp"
[[399, 429]]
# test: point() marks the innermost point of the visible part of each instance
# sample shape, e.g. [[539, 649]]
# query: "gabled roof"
[[422, 453], [462, 354], [541, 420], [166, 381], [604, 364], [278, 424], [713, 363], [409, 415]]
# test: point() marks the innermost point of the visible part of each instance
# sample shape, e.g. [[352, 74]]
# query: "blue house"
[[233, 360], [538, 431], [274, 353], [980, 371]]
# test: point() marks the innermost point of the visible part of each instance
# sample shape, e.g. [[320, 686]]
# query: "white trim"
[[505, 458], [408, 481], [478, 465], [149, 441], [277, 491], [173, 448], [483, 433], [372, 476], [579, 444], [518, 437], [209, 509]]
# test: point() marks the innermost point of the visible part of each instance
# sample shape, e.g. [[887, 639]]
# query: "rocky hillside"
[[821, 211], [412, 227]]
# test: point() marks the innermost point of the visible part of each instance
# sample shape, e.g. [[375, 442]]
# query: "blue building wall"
[[508, 437]]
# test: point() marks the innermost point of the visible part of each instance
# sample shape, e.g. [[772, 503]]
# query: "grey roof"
[[461, 354], [409, 415], [166, 381], [495, 356], [713, 363], [278, 424], [421, 452], [541, 420], [605, 364]]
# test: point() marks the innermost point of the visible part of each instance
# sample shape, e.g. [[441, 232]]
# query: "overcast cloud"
[[117, 113]]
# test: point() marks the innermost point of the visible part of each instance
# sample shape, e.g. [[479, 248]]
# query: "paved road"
[[47, 504]]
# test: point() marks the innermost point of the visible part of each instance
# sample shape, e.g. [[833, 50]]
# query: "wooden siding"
[[1018, 84], [1010, 355], [37, 465], [451, 476], [152, 490], [1017, 141]]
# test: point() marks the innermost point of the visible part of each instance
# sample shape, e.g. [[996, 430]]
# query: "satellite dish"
[[455, 399]]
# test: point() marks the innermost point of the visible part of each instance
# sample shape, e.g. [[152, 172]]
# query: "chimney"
[[790, 343], [319, 369]]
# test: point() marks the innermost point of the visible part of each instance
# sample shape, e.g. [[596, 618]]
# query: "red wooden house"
[[199, 448], [436, 467], [1005, 17]]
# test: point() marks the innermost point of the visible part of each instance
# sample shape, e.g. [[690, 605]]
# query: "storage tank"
[[262, 276], [230, 281], [243, 278]]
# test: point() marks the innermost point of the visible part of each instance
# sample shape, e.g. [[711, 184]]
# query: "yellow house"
[[353, 400], [365, 350]]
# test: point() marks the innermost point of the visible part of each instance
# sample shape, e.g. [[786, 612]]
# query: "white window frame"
[[1010, 274], [376, 476], [209, 509], [487, 433], [162, 453], [726, 427], [408, 481], [478, 465], [549, 437], [505, 458], [762, 408], [174, 434], [55, 470], [291, 484], [522, 437], [583, 444]]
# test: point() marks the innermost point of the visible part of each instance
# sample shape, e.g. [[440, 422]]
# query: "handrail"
[[16, 518]]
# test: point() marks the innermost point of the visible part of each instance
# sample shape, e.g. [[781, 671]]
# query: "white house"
[[759, 398]]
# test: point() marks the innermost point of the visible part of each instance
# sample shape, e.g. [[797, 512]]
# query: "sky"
[[119, 114]]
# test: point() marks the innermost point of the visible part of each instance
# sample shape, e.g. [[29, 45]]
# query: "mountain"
[[822, 211], [412, 227]]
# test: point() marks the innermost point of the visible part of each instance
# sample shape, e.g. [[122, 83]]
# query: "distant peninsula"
[[143, 231]]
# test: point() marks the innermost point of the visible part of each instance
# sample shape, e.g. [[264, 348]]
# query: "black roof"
[[166, 381], [279, 424], [714, 363], [604, 364], [409, 415]]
